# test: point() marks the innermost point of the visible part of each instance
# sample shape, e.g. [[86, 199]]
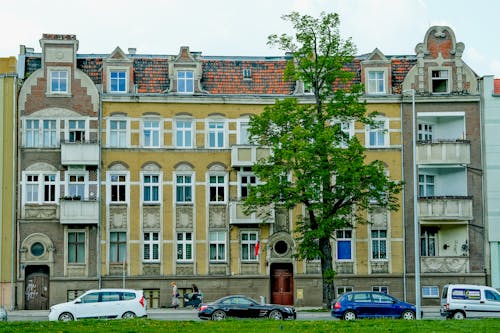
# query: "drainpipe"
[[486, 243], [403, 206], [13, 208], [99, 197]]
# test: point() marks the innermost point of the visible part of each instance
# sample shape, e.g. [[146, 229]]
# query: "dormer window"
[[118, 81], [185, 82], [440, 81], [376, 82], [247, 74]]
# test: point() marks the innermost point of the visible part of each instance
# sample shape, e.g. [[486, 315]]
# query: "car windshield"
[[238, 300]]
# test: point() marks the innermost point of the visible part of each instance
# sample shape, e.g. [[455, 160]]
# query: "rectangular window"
[[428, 238], [217, 188], [118, 187], [118, 81], [376, 134], [425, 185], [151, 188], [247, 74], [184, 188], [76, 247], [184, 133], [247, 179], [117, 246], [249, 240], [151, 247], [59, 81], [32, 133], [344, 289], [376, 82], [40, 188], [32, 188], [49, 133], [440, 81], [217, 246], [76, 186], [430, 291], [381, 289], [243, 135], [379, 244], [184, 246], [344, 244], [151, 133], [49, 188], [424, 132], [76, 131], [117, 133], [216, 135], [185, 81]]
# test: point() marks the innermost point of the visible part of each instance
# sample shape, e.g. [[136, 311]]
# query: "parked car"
[[102, 303], [3, 314], [459, 301], [239, 306], [371, 304]]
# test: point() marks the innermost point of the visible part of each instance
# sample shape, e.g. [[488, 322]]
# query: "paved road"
[[191, 314]]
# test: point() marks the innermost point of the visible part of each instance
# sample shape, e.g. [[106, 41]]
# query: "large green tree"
[[315, 164]]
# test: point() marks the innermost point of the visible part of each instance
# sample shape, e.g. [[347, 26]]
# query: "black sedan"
[[239, 306]]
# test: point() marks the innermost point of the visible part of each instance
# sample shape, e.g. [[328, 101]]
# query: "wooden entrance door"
[[282, 285], [36, 291]]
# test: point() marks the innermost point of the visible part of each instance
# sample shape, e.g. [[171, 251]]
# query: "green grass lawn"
[[266, 326]]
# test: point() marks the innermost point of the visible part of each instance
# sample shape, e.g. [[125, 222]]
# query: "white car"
[[102, 303]]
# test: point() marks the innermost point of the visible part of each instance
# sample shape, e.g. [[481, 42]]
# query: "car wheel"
[[349, 315], [66, 316], [459, 315], [128, 315], [276, 315], [408, 315], [218, 315]]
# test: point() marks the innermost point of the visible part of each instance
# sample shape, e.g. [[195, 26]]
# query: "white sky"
[[241, 27]]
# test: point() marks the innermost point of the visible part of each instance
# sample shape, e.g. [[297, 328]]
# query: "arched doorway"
[[36, 287], [282, 283]]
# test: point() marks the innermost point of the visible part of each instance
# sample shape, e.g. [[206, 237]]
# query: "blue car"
[[371, 304]]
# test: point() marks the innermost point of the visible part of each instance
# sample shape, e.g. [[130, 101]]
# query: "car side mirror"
[[78, 301]]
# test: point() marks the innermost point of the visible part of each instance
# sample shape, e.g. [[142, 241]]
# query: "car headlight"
[[290, 310]]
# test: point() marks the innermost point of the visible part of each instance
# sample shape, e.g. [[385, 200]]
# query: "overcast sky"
[[241, 27]]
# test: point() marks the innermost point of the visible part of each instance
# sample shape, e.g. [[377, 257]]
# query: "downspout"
[[403, 203], [486, 242], [99, 197], [14, 192]]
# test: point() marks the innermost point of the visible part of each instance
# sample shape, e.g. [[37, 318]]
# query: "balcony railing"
[[445, 264], [238, 216], [445, 208], [247, 155], [79, 211], [79, 153], [443, 152]]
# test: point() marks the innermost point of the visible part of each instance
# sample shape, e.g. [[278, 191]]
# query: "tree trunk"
[[327, 272]]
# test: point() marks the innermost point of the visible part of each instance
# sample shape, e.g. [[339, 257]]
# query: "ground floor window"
[[343, 289], [430, 291], [152, 297]]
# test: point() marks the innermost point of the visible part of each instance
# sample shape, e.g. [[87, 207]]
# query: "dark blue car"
[[371, 304]]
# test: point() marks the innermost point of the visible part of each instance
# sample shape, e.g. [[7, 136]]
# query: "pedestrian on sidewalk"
[[175, 295]]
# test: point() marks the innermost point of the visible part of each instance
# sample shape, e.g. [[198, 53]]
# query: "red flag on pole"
[[257, 248]]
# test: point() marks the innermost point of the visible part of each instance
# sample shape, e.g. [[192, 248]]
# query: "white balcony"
[[79, 211], [238, 216], [446, 152], [79, 153], [247, 155], [445, 264], [445, 209]]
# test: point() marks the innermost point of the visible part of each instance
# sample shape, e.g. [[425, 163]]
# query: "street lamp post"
[[416, 227]]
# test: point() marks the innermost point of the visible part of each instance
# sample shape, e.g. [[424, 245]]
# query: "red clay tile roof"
[[496, 86]]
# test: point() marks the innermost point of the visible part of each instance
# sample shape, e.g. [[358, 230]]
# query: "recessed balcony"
[[79, 211], [79, 153], [444, 152], [247, 155], [445, 208]]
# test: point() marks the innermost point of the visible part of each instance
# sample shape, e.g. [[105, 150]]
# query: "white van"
[[459, 301]]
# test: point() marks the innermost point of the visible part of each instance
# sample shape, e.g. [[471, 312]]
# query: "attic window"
[[247, 74], [440, 81]]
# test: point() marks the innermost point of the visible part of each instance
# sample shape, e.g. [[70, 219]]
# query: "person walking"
[[175, 295]]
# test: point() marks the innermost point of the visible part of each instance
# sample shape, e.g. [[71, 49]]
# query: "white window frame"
[[181, 185], [49, 134], [216, 133], [182, 245], [381, 132], [342, 237], [242, 133], [112, 181], [217, 186], [185, 84], [218, 241], [183, 134], [149, 244], [430, 292], [83, 184], [151, 186], [373, 83], [118, 137], [32, 131], [245, 180], [424, 184], [340, 290], [153, 126], [85, 245], [381, 289], [78, 129], [113, 69], [424, 131], [441, 77], [63, 75], [248, 246], [39, 188], [379, 240]]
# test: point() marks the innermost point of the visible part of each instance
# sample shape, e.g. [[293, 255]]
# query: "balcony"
[[247, 155], [79, 211], [445, 208], [445, 264], [444, 152], [238, 216], [79, 153]]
